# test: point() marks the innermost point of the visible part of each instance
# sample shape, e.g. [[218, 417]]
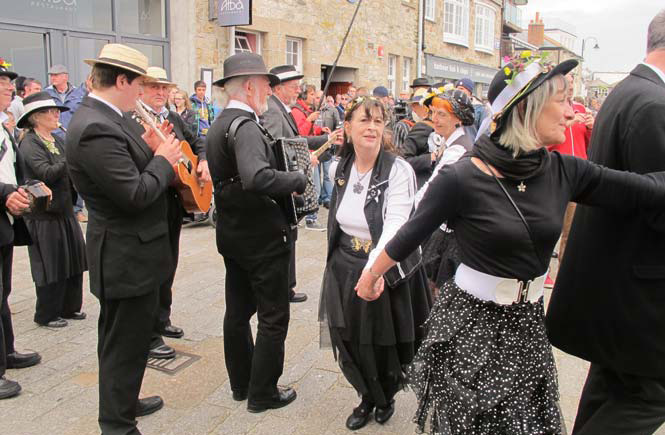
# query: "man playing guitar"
[[154, 98]]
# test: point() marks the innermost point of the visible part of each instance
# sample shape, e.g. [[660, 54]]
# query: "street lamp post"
[[595, 47]]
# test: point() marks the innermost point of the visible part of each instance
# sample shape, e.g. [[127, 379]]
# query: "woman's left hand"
[[369, 287]]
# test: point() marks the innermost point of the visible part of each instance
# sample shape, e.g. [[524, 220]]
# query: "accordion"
[[293, 155]]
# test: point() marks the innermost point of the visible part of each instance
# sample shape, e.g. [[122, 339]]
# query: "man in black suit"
[[608, 304], [253, 235], [122, 177], [13, 232], [280, 124], [155, 94]]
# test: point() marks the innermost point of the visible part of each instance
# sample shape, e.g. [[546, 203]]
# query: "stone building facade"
[[382, 48]]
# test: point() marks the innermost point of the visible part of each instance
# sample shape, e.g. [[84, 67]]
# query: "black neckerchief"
[[525, 165]]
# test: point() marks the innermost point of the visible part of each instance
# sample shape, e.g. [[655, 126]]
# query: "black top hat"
[[4, 69], [245, 64], [35, 103], [286, 73], [420, 82]]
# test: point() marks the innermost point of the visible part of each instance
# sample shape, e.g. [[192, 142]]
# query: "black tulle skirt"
[[485, 369], [441, 257], [372, 341]]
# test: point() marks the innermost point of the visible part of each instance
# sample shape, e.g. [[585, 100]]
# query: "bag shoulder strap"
[[517, 209]]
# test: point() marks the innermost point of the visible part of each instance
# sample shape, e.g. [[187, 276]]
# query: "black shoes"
[[239, 395], [360, 416], [172, 331], [382, 415], [162, 352], [297, 297], [149, 405], [283, 397], [8, 388], [17, 360], [58, 322], [77, 315]]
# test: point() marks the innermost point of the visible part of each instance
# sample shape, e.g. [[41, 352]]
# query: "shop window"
[[456, 22], [142, 17], [485, 17], [294, 52], [155, 53], [78, 14]]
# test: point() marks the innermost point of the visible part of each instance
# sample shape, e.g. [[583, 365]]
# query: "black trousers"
[[292, 263], [261, 287], [618, 403], [125, 328], [59, 299], [175, 216], [6, 328]]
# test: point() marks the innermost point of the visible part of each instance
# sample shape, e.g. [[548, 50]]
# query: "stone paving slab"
[[60, 395]]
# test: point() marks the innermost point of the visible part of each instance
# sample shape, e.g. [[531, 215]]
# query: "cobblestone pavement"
[[60, 394]]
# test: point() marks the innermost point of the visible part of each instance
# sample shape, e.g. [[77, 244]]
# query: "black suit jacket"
[[416, 151], [280, 124], [123, 185], [15, 233], [608, 305], [250, 223]]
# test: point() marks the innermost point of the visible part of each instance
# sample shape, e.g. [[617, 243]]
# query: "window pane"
[[79, 14], [26, 52], [79, 49], [142, 17], [155, 53]]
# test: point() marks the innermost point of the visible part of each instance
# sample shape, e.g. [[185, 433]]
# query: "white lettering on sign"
[[64, 5], [231, 6]]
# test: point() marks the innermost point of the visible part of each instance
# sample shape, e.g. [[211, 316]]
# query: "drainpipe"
[[421, 23]]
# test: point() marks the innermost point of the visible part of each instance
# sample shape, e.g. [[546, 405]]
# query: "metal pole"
[[421, 22], [339, 53]]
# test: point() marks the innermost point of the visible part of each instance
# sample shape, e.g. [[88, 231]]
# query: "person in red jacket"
[[578, 137]]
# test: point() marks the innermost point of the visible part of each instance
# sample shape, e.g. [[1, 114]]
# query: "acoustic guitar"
[[195, 194]]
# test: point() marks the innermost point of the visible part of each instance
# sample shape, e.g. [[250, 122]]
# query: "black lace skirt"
[[372, 341], [485, 369], [441, 257]]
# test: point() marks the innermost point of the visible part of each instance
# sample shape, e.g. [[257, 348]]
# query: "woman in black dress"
[[57, 255], [372, 197], [486, 365]]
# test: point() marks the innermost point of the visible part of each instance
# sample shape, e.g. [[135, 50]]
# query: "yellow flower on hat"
[[526, 54], [4, 63], [507, 71]]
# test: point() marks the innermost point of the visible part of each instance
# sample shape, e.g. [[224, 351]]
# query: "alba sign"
[[234, 13]]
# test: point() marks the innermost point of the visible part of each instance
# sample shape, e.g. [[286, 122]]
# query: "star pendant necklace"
[[521, 187], [358, 186]]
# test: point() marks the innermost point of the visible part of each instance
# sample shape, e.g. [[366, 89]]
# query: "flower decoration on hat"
[[4, 63], [518, 63], [358, 101]]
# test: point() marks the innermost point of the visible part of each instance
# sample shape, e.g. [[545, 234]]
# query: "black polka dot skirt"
[[485, 369]]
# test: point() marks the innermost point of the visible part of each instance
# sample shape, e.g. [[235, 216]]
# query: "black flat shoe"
[[162, 352], [283, 397], [149, 405], [55, 323], [359, 417], [8, 388], [239, 395], [77, 315], [297, 297], [382, 415], [22, 360], [172, 331]]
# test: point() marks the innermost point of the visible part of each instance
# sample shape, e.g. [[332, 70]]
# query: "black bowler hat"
[[420, 82], [36, 103], [245, 64], [286, 73], [4, 70]]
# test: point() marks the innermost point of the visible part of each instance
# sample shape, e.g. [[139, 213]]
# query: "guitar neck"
[[323, 148], [148, 119]]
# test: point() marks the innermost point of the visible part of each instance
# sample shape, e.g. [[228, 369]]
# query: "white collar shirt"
[[235, 104], [98, 98]]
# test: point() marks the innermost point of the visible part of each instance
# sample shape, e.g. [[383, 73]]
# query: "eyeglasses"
[[52, 111]]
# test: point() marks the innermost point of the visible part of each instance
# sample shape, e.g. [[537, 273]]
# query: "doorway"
[[341, 80]]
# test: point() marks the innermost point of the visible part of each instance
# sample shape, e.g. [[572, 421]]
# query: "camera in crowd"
[[401, 110]]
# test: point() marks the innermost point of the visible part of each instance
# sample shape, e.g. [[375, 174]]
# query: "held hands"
[[170, 149], [17, 202], [313, 117], [203, 172], [152, 138], [369, 287]]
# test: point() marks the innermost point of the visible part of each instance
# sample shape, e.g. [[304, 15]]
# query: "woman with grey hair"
[[486, 365]]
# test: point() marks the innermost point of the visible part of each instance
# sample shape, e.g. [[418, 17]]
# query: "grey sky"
[[619, 25]]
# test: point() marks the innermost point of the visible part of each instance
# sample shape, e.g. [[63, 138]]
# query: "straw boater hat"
[[36, 103], [159, 76], [123, 57], [245, 64]]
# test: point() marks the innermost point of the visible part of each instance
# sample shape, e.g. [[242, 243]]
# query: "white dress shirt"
[[235, 104], [98, 98]]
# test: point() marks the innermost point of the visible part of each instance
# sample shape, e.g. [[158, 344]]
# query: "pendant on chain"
[[521, 187], [358, 187]]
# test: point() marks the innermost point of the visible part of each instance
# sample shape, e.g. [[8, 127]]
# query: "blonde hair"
[[519, 133], [183, 94]]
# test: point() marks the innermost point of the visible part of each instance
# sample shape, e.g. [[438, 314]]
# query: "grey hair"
[[235, 87], [519, 133], [656, 33]]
